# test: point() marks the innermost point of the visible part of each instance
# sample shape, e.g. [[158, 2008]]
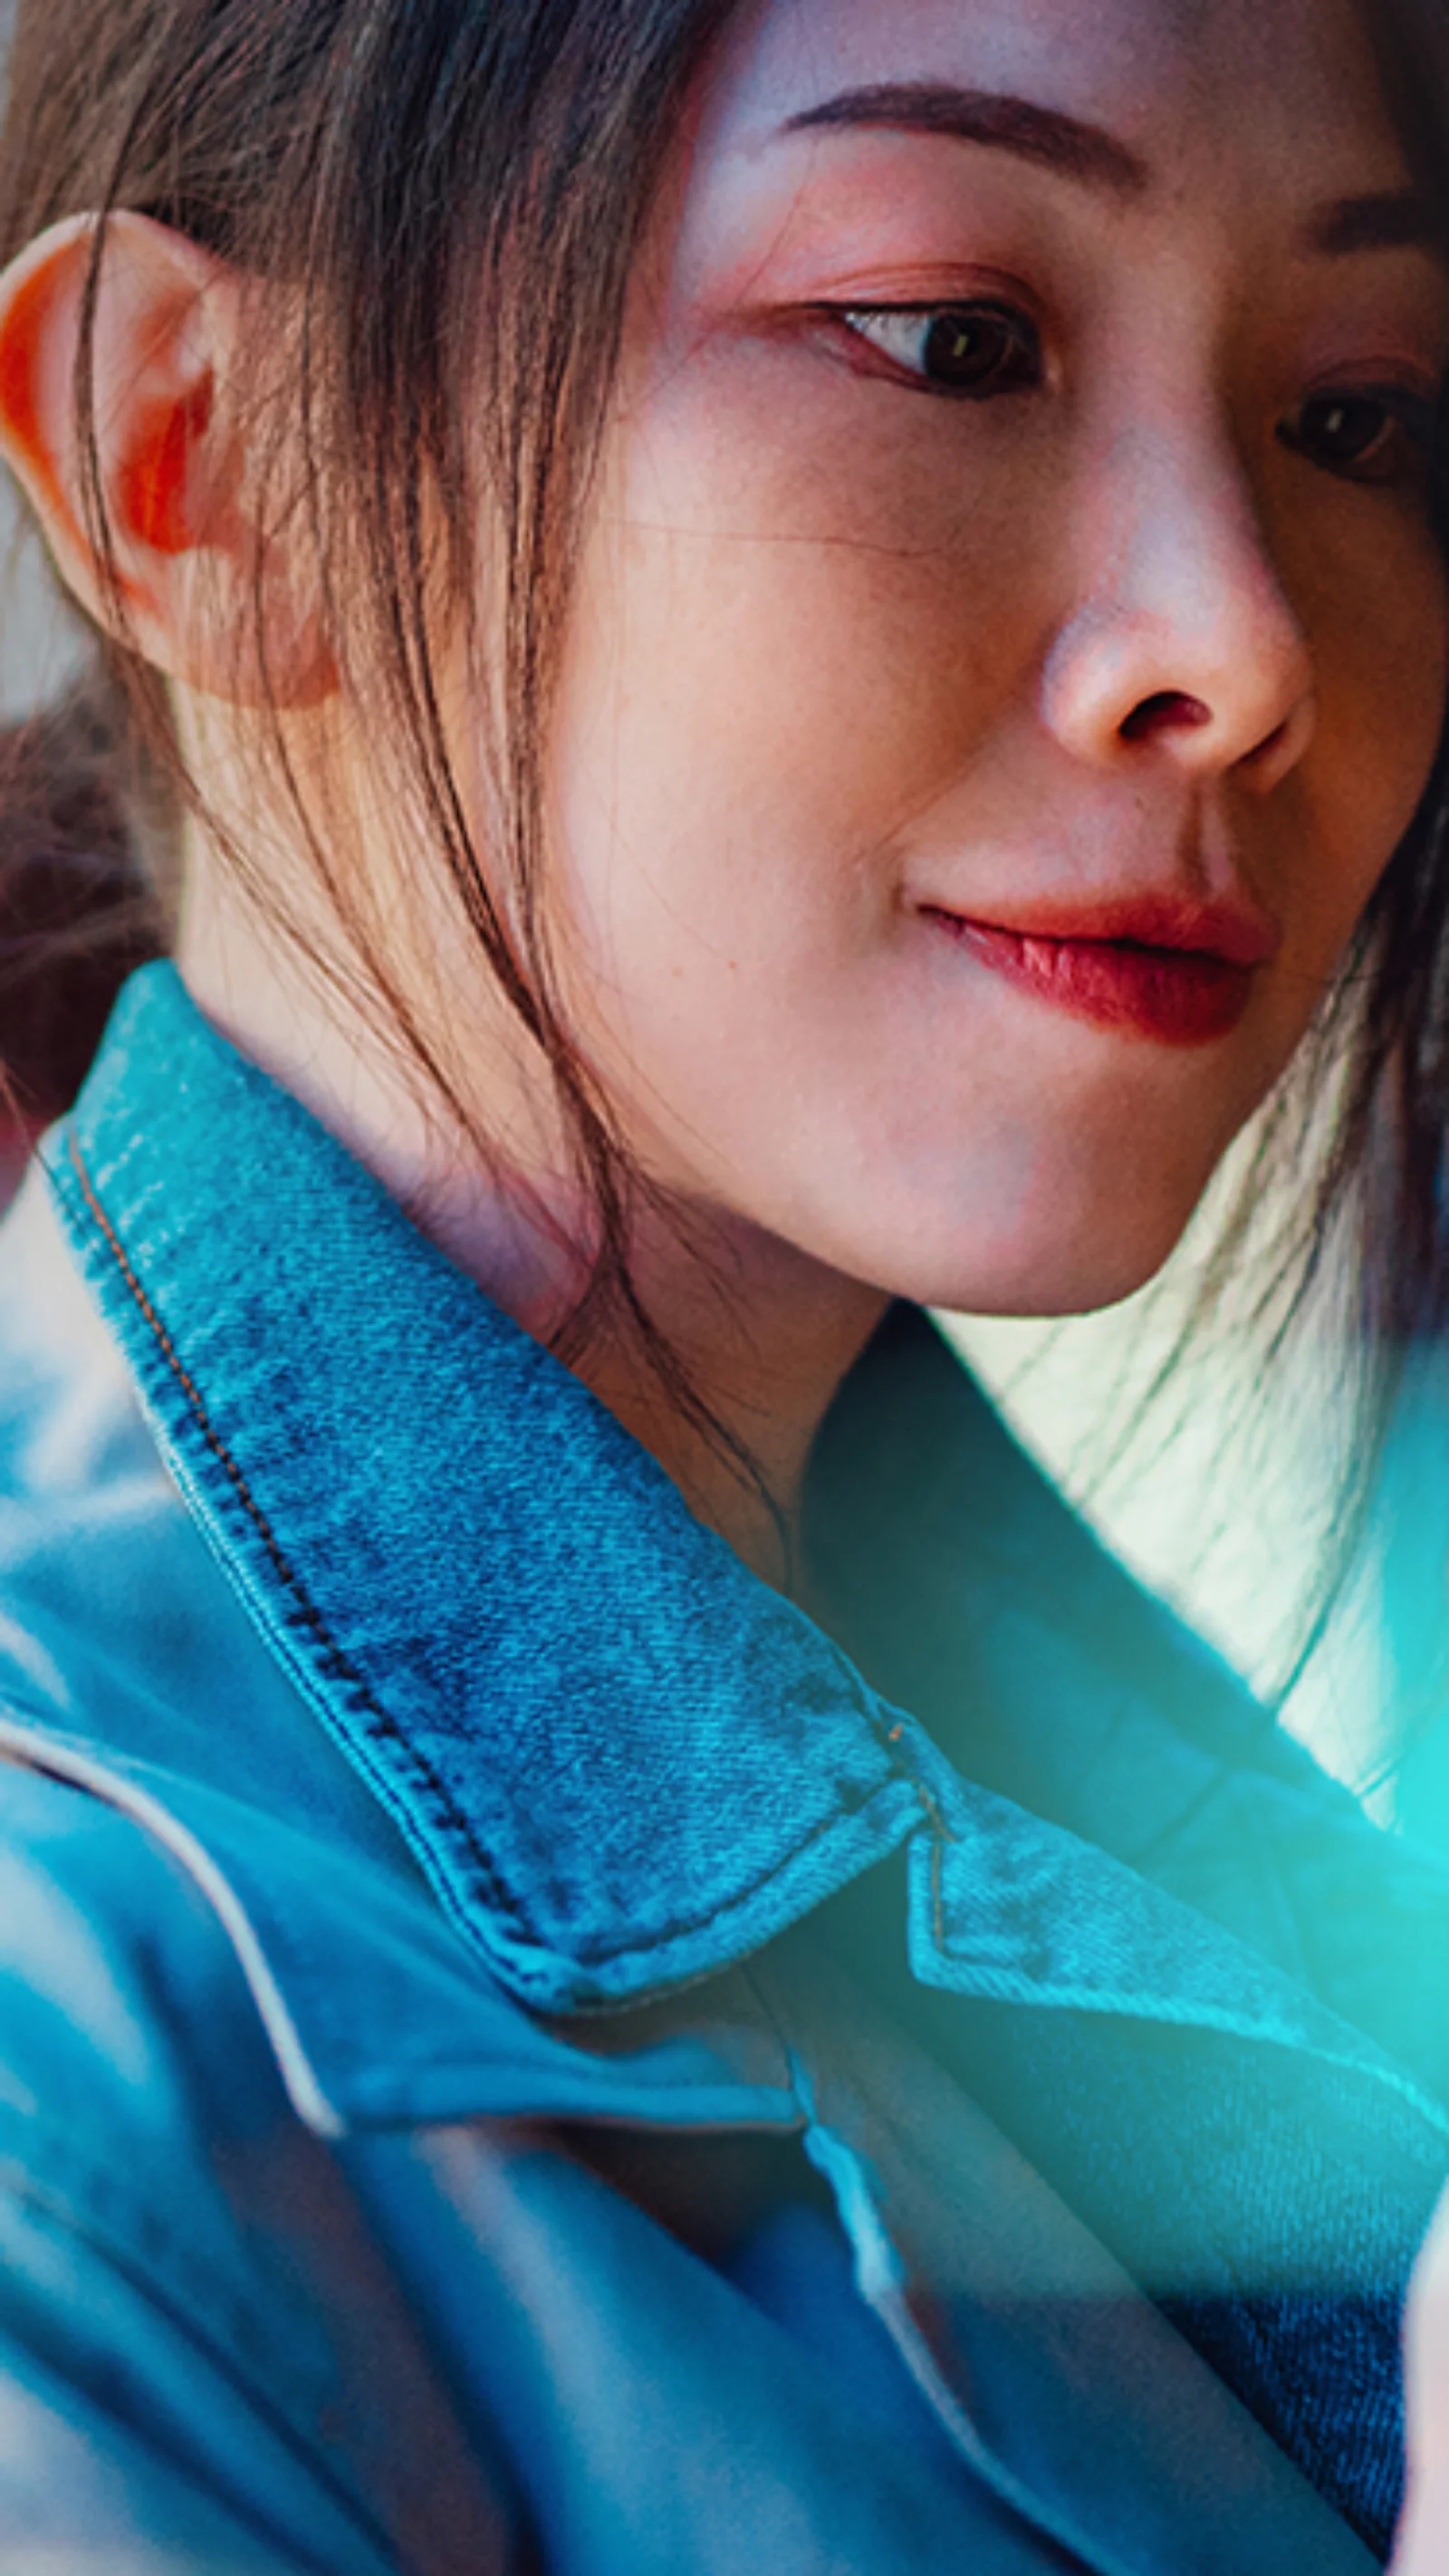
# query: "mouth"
[[1179, 974]]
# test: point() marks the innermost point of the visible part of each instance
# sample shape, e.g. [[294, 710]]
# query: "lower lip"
[[1176, 996]]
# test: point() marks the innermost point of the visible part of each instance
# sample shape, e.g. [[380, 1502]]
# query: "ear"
[[192, 569]]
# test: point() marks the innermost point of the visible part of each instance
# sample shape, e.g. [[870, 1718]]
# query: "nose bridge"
[[1178, 598], [1199, 529]]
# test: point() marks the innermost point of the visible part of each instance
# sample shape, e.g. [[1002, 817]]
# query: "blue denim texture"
[[399, 1766]]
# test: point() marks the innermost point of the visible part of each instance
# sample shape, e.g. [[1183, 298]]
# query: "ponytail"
[[76, 914]]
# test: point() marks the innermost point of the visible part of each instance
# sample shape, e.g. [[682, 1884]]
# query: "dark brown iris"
[[973, 351]]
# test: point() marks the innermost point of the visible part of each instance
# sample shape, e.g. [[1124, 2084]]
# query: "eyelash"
[[1020, 368]]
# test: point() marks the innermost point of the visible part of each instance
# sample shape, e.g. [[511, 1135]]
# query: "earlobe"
[[182, 570]]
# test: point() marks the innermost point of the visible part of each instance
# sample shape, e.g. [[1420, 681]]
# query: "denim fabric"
[[487, 1554], [406, 1790]]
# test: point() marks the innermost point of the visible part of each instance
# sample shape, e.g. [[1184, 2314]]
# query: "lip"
[[1180, 973]]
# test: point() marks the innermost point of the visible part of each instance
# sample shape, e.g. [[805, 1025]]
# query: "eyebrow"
[[1005, 124], [1397, 219], [1390, 219]]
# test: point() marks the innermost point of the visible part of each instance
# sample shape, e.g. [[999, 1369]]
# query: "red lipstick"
[[1178, 973]]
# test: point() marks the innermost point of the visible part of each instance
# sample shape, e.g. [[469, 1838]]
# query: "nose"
[[1181, 644]]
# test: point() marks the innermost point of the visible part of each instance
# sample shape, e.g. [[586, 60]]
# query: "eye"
[[1368, 434], [970, 350]]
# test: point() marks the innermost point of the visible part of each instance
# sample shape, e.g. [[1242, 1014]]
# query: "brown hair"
[[510, 150], [510, 154], [75, 913]]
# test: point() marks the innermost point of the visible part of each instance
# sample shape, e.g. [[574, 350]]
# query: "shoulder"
[[177, 2311], [112, 1948], [119, 1628], [130, 2045]]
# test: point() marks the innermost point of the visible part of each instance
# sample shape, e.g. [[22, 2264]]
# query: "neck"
[[764, 1338], [754, 1337]]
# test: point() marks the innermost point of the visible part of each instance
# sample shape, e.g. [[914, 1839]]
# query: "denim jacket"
[[521, 2051]]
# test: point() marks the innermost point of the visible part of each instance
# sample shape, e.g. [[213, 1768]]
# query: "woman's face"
[[1010, 643]]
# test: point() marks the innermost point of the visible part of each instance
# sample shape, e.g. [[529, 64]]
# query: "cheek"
[[788, 646], [1377, 620], [791, 638]]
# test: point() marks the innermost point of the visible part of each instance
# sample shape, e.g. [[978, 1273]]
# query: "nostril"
[[1166, 711], [1271, 743]]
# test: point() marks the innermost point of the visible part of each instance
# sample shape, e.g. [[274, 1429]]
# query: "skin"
[[971, 602], [846, 652]]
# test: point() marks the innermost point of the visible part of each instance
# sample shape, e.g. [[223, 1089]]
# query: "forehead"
[[1295, 79]]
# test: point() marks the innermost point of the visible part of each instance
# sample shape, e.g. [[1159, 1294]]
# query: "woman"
[[785, 658]]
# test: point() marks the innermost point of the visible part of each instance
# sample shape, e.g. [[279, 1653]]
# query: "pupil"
[[963, 349], [1346, 430]]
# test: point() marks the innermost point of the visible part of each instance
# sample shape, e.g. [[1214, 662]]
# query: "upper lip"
[[1235, 930]]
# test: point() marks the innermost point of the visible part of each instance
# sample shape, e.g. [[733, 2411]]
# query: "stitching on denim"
[[343, 1667], [589, 1957], [938, 1902], [386, 1725], [941, 1835], [888, 1739]]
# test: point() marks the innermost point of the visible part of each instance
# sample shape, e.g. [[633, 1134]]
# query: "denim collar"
[[620, 1761], [618, 1757]]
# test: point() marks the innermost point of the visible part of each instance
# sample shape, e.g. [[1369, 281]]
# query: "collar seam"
[[342, 1665], [889, 1739], [449, 1823], [622, 1955]]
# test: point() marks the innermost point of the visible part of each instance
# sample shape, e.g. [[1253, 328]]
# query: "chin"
[[1043, 1290], [1049, 1179], [1074, 1259]]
